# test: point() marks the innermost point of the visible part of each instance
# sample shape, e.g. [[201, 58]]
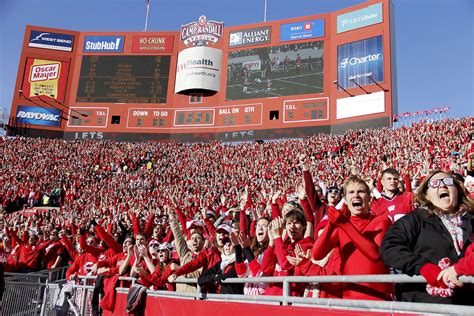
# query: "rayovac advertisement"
[[47, 78], [360, 18], [248, 37], [36, 115], [198, 68], [301, 30], [360, 60], [103, 44], [49, 40]]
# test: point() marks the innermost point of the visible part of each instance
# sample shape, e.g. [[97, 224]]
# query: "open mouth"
[[292, 232], [357, 203], [444, 195]]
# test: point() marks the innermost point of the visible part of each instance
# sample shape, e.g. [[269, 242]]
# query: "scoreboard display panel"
[[123, 79], [239, 115], [268, 80], [88, 117], [305, 110], [194, 117], [146, 118]]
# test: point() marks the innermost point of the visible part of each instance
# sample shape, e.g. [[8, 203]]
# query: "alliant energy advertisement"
[[198, 68], [45, 79]]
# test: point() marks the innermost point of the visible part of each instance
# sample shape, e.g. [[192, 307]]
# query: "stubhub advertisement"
[[301, 30], [357, 61], [104, 44], [38, 116]]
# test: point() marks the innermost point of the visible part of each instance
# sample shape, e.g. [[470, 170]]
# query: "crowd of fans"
[[323, 205]]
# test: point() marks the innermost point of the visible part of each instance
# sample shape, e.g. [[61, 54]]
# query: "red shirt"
[[395, 208], [358, 241]]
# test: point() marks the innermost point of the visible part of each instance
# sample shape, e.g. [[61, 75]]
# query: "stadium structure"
[[287, 78]]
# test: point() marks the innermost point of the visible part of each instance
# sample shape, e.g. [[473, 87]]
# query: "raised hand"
[[244, 240], [300, 191], [276, 226], [336, 217], [234, 239]]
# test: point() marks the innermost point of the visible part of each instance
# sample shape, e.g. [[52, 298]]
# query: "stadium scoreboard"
[[305, 110], [123, 79], [321, 73]]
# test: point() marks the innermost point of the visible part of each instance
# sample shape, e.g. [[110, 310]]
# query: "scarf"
[[453, 223], [226, 260]]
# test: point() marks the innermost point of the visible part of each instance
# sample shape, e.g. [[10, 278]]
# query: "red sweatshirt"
[[159, 279], [465, 266], [283, 267], [82, 265], [358, 241], [206, 259]]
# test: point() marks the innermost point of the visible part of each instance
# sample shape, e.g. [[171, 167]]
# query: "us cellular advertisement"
[[360, 60], [36, 115], [360, 18]]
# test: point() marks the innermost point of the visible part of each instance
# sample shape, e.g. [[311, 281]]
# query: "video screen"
[[275, 71]]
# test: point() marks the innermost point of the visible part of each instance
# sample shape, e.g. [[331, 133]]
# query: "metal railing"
[[31, 293], [287, 299], [36, 293]]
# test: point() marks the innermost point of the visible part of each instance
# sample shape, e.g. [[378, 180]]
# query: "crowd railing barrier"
[[286, 299]]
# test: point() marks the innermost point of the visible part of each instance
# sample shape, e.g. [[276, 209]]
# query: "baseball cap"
[[224, 228], [211, 213], [194, 224], [165, 246]]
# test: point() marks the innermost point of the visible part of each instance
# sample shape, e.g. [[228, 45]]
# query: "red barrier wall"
[[184, 307]]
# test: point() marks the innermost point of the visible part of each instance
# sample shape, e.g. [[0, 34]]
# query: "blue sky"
[[435, 38]]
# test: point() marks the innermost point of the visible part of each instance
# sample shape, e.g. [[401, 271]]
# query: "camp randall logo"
[[202, 32]]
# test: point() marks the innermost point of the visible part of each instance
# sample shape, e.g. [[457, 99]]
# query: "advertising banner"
[[49, 40], [360, 105], [201, 32], [152, 43], [198, 68], [301, 30], [360, 18], [248, 37], [104, 44], [359, 60], [36, 115], [45, 78]]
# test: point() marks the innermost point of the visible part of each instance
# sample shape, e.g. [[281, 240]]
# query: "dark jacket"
[[215, 275], [419, 238]]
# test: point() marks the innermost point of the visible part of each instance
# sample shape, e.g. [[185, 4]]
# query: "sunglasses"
[[154, 245], [434, 183], [334, 191]]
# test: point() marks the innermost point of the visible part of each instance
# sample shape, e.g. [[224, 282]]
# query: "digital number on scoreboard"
[[194, 117], [147, 118], [239, 115], [88, 117], [123, 79], [305, 110]]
